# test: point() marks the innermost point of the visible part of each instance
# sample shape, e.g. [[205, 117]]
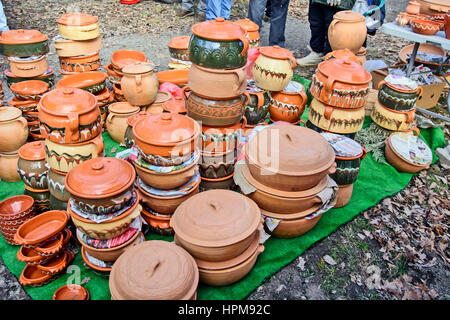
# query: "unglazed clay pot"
[[13, 129], [347, 30], [116, 122], [252, 31], [32, 165], [78, 26], [29, 66], [88, 62], [64, 157], [288, 105], [217, 165], [175, 105], [413, 7], [344, 54], [8, 166], [273, 69], [69, 115], [23, 43], [179, 48], [71, 48], [291, 228], [392, 119], [157, 105], [121, 58], [131, 121], [94, 81], [221, 139], [139, 84], [344, 195]]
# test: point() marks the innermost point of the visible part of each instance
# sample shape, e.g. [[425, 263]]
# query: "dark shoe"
[[168, 1], [266, 18], [184, 13], [200, 17]]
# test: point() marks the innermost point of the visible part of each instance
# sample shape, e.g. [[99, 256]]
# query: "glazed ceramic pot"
[[218, 44], [154, 270], [78, 26], [217, 165], [29, 89], [425, 27], [158, 105], [291, 228], [69, 115], [48, 77], [214, 112], [221, 139], [56, 185], [71, 48], [288, 105], [71, 292], [41, 198], [347, 30], [225, 183], [29, 66], [128, 137], [101, 185], [64, 157], [217, 83], [273, 69], [258, 106], [139, 84], [159, 224], [116, 122], [336, 120], [252, 31], [344, 54], [32, 165], [392, 119], [397, 97], [23, 43], [177, 77], [179, 48], [57, 263], [289, 158], [13, 129], [175, 105], [93, 82], [407, 153], [56, 204], [16, 208], [88, 62], [344, 195], [341, 83], [122, 58]]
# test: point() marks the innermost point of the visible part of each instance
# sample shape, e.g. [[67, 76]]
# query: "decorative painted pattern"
[[180, 56], [195, 106], [125, 201], [273, 74], [164, 161], [34, 179], [389, 123], [70, 160], [216, 171], [80, 67], [230, 140], [87, 131], [398, 103], [355, 124], [290, 109]]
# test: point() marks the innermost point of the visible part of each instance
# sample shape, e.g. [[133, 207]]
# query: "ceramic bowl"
[[93, 82], [47, 76], [177, 77], [425, 27], [29, 89], [33, 277], [225, 183], [70, 48], [57, 263], [122, 58], [159, 224], [88, 62], [23, 43], [217, 165], [78, 26], [71, 292], [54, 245], [16, 207]]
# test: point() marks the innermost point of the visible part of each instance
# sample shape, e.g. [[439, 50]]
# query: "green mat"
[[375, 182]]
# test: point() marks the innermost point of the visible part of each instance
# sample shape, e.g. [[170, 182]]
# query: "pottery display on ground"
[[85, 63], [32, 166], [139, 84], [252, 31], [14, 211], [13, 129], [392, 119], [23, 43], [78, 26], [94, 81], [347, 30], [291, 228], [288, 105], [116, 122]]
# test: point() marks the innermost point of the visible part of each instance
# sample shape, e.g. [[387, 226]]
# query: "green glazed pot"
[[398, 100], [24, 49], [217, 54], [56, 204], [48, 77], [346, 171], [41, 200], [258, 107]]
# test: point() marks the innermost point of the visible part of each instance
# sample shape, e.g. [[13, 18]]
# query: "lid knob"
[[278, 47], [166, 116], [220, 19], [68, 91], [97, 166]]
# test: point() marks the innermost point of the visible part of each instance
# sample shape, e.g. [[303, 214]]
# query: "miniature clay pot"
[[93, 82], [41, 198], [425, 27], [8, 166], [88, 62], [13, 129], [159, 224], [398, 98], [29, 66], [116, 122], [344, 195], [16, 207], [179, 48], [217, 165], [347, 30], [121, 58], [252, 31], [291, 228], [29, 89], [139, 84], [288, 105], [48, 77], [225, 183], [158, 105], [392, 119], [23, 43], [71, 48], [177, 77], [128, 137], [32, 165], [71, 292], [78, 26], [221, 139]]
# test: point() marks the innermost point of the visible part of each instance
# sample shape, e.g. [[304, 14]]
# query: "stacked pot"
[[252, 30], [15, 211], [104, 207], [340, 88], [166, 160], [217, 81], [78, 43], [221, 230], [70, 122], [179, 53], [44, 240], [286, 172]]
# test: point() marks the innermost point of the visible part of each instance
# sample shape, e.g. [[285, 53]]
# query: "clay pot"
[[56, 264], [447, 26], [216, 225], [41, 198], [252, 31], [179, 48], [158, 105], [64, 157], [154, 270], [221, 139], [48, 77], [116, 122], [113, 76], [344, 54], [398, 98], [8, 166], [122, 58], [13, 129], [15, 208], [56, 204], [99, 270], [392, 119], [32, 165], [273, 69], [289, 158], [258, 107], [131, 121], [70, 48], [413, 7], [94, 81], [158, 224], [288, 105], [101, 185], [217, 83], [88, 62], [344, 195], [175, 105], [291, 228], [347, 30], [71, 292], [217, 165], [177, 77], [29, 66], [33, 277], [425, 27], [78, 26], [139, 84], [29, 89], [23, 43], [225, 183]]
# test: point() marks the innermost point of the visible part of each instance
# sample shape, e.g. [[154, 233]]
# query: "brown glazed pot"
[[32, 165], [8, 166], [217, 165], [13, 129], [41, 198], [56, 185]]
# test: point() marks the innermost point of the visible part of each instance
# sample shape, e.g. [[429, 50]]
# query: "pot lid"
[[181, 42], [9, 113], [154, 270], [65, 100], [33, 151], [131, 121], [276, 52], [345, 70], [29, 87], [342, 54], [175, 105], [293, 87], [76, 19], [344, 147], [411, 148], [290, 150], [162, 97], [21, 36], [216, 218], [100, 178], [138, 68], [123, 108], [218, 29], [349, 16], [167, 129], [82, 80], [247, 25]]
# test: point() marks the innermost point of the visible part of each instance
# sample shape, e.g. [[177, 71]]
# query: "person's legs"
[[268, 8], [328, 17], [279, 10], [256, 11], [213, 8], [187, 9], [226, 8], [201, 7], [3, 24], [316, 20]]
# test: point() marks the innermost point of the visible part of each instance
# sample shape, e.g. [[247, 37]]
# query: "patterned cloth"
[[343, 146], [183, 190], [140, 161]]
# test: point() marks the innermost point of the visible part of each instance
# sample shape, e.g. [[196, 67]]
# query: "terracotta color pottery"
[[344, 195], [102, 271], [288, 105], [218, 44], [217, 83], [225, 183], [347, 30], [16, 207], [41, 198], [54, 245], [217, 165], [78, 26], [47, 76], [221, 139], [154, 270], [13, 129], [413, 7], [56, 204], [8, 166], [179, 48], [122, 58], [159, 224], [178, 77], [23, 43], [29, 66], [64, 157], [336, 120], [344, 54], [139, 84], [88, 62], [273, 68], [397, 97], [71, 292], [57, 263], [289, 158], [116, 122], [341, 83], [216, 225], [425, 27], [94, 81], [113, 76], [29, 256], [175, 105], [430, 7], [131, 121], [101, 185], [32, 165], [258, 106], [252, 31], [158, 105], [71, 48], [29, 89], [291, 228], [33, 277], [407, 153], [447, 26], [392, 119]]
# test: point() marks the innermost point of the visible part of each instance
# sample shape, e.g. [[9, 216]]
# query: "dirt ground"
[[395, 250]]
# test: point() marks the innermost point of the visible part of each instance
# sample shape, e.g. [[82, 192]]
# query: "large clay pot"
[[257, 108], [32, 165], [13, 129], [347, 30], [78, 26], [288, 105], [116, 122], [23, 43], [392, 119], [139, 84], [8, 166]]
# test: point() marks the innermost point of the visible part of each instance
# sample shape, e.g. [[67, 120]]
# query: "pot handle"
[[248, 98], [92, 28], [329, 85], [364, 154], [328, 111], [260, 99], [138, 80], [24, 122], [332, 169], [241, 78], [420, 92], [25, 67], [410, 115], [109, 118], [303, 96], [332, 24], [244, 40], [244, 123], [184, 89], [152, 267], [294, 62], [99, 143], [73, 126]]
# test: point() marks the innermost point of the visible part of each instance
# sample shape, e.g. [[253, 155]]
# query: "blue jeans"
[[188, 5], [218, 8], [3, 25]]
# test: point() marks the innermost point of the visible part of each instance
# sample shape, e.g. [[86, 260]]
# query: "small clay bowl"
[[71, 292], [16, 207], [57, 263], [29, 89], [54, 245], [33, 277], [30, 256], [344, 195], [122, 58], [293, 227]]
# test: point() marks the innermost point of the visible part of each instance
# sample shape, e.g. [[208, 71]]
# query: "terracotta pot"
[[179, 48], [8, 166], [29, 66], [217, 83], [447, 26], [225, 183], [217, 165], [113, 76], [392, 119], [41, 198], [78, 26], [252, 31], [289, 158], [16, 207], [425, 27], [221, 139], [288, 105], [175, 105], [131, 121], [397, 97], [70, 48], [413, 7], [258, 107], [48, 77], [88, 62], [71, 292], [139, 84], [33, 277], [158, 223], [32, 165], [433, 6], [94, 81], [344, 54], [122, 58], [336, 120], [23, 43], [64, 157], [158, 105], [288, 228], [13, 129], [29, 89], [347, 30], [273, 69], [154, 270], [102, 271], [344, 195], [177, 77], [116, 122]]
